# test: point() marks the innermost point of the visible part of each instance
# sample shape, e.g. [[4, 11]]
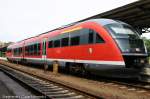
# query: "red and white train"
[[93, 45]]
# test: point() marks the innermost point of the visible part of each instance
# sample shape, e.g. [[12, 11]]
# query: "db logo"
[[90, 50]]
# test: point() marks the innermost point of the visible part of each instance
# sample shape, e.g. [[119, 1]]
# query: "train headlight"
[[137, 49], [142, 61]]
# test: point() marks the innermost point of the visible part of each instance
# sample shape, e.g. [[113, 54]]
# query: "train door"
[[44, 52]]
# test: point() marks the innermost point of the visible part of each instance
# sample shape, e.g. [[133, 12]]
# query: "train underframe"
[[135, 67]]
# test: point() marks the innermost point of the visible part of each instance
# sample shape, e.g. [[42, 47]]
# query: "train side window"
[[35, 49], [75, 38], [99, 39], [57, 43], [84, 36], [64, 39], [20, 52], [94, 37], [38, 48], [50, 44], [26, 49], [91, 36], [65, 42], [30, 50]]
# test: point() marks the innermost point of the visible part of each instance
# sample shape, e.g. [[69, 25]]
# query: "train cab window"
[[65, 42], [94, 37], [57, 43], [50, 44], [99, 39]]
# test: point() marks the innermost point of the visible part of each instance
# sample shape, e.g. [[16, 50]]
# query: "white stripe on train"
[[81, 61]]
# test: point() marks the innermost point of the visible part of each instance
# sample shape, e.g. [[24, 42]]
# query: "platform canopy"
[[136, 14]]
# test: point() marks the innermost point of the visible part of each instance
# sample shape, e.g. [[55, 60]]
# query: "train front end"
[[132, 48], [130, 44]]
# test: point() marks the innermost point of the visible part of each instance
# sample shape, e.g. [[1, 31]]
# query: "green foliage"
[[2, 54], [147, 43]]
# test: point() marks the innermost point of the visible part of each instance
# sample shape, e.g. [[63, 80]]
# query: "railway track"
[[137, 86], [40, 84], [47, 89]]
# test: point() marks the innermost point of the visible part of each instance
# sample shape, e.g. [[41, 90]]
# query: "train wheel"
[[83, 71]]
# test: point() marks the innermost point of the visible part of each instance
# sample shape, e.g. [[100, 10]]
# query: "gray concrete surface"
[[4, 91], [10, 89]]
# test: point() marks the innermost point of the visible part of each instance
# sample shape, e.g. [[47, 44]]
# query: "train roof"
[[101, 21]]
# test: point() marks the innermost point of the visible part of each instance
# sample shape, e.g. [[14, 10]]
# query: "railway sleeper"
[[49, 90], [58, 92], [45, 87], [70, 94], [74, 97], [42, 85]]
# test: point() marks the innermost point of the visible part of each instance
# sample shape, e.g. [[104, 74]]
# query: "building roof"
[[136, 14]]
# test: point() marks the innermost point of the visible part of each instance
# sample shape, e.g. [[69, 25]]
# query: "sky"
[[21, 19]]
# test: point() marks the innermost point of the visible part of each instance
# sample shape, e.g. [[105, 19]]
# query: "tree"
[[147, 43]]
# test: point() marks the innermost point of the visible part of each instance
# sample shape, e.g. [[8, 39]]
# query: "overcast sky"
[[20, 19]]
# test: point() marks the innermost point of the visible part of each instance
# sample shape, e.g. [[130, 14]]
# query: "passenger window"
[[39, 48], [65, 42], [35, 49], [91, 36], [75, 40], [57, 43], [84, 36], [50, 44]]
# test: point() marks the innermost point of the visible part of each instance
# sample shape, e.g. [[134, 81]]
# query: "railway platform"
[[4, 91], [98, 88], [10, 89], [3, 58]]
